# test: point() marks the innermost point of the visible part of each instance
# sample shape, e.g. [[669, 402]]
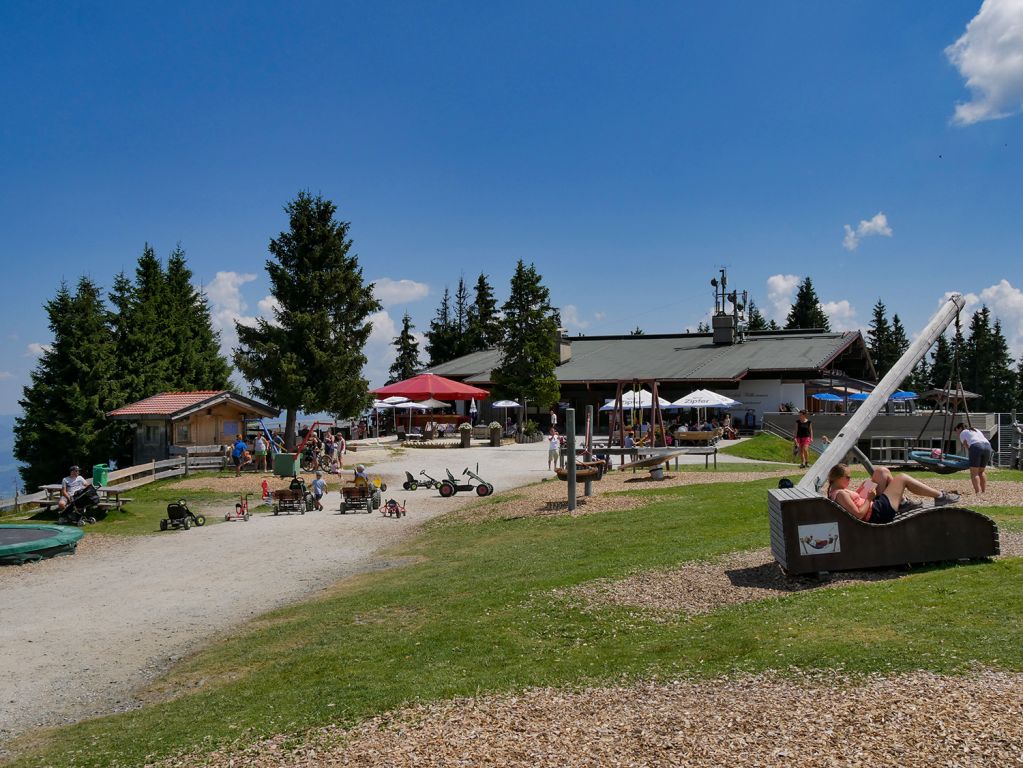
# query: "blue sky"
[[629, 150]]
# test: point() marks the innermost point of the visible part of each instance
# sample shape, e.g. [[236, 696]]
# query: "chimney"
[[564, 346]]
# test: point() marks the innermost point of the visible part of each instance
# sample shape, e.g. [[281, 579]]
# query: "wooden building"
[[188, 419]]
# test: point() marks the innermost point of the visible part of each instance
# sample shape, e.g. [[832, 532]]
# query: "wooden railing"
[[139, 474]]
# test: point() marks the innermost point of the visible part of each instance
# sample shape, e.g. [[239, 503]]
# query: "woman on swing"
[[881, 498]]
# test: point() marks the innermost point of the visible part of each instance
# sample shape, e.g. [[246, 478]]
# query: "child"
[[319, 489], [266, 491]]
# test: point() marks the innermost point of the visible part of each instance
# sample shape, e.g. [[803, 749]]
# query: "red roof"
[[427, 385], [166, 403]]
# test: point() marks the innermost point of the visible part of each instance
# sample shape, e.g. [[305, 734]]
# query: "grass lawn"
[[763, 447], [148, 507], [474, 614]]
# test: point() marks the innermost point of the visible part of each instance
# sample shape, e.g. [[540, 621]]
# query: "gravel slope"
[[80, 633]]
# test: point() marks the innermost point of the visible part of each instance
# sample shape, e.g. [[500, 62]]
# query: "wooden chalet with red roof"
[[188, 419]]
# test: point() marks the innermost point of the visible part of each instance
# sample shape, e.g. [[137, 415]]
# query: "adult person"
[[879, 500], [240, 455], [259, 449], [554, 418], [630, 439], [802, 437], [319, 489], [340, 449], [978, 448], [553, 448], [69, 486]]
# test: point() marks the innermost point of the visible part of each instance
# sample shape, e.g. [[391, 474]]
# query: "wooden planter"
[[495, 437], [466, 437]]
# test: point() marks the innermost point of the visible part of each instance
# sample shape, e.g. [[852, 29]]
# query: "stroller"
[[75, 513], [180, 516]]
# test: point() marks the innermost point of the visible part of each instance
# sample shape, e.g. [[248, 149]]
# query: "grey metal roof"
[[683, 357]]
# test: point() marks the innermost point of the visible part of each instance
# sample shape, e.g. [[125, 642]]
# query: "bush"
[[495, 425], [531, 428], [464, 426]]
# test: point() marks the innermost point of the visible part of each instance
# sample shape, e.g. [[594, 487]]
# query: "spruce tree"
[[441, 339], [806, 311], [756, 322], [898, 344], [193, 344], [941, 363], [460, 320], [63, 419], [1000, 381], [312, 358], [637, 331], [879, 340], [406, 361], [484, 326], [529, 351], [977, 353]]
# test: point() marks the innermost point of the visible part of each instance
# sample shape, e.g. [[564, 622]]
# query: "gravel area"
[[81, 633], [915, 721]]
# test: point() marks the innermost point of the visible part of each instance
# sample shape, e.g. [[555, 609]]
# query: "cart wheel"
[[482, 490], [200, 520], [302, 510], [163, 525], [185, 524], [407, 485], [413, 486], [90, 520], [369, 505], [246, 517], [227, 517], [447, 490], [383, 486], [277, 511]]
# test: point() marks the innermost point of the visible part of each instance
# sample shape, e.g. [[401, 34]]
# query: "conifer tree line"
[[985, 364], [151, 334], [524, 331]]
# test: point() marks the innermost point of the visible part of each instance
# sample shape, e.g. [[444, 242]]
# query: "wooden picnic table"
[[110, 497]]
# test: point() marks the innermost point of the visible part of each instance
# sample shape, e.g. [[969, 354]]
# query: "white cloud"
[[227, 306], [35, 349], [1006, 303], [570, 318], [780, 291], [841, 315], [875, 226], [268, 307], [380, 348], [6, 375], [390, 292], [989, 56]]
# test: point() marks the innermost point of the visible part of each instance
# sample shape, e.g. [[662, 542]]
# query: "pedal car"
[[451, 486], [359, 497], [180, 516]]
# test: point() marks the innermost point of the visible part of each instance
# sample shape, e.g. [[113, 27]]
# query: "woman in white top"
[[979, 450]]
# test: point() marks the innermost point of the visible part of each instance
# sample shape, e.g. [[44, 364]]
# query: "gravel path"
[[80, 633]]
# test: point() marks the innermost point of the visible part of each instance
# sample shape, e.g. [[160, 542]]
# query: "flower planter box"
[[466, 437], [495, 438]]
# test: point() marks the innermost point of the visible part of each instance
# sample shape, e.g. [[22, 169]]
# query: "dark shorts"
[[237, 460], [881, 511], [980, 455]]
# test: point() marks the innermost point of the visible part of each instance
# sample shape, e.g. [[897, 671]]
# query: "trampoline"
[[28, 543]]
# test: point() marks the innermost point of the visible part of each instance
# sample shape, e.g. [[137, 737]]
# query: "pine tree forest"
[[154, 335]]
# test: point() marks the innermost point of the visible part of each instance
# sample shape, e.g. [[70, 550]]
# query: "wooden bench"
[[698, 438], [812, 534]]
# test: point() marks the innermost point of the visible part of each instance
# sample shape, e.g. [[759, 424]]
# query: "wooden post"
[[588, 484], [570, 429], [846, 439]]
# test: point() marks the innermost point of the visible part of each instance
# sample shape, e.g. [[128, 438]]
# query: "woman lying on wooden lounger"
[[880, 498]]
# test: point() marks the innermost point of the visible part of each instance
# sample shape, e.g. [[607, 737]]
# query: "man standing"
[[240, 455], [979, 450]]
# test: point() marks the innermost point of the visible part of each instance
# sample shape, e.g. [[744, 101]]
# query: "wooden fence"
[[203, 457]]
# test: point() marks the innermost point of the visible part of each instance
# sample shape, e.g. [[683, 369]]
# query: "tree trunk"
[[290, 433]]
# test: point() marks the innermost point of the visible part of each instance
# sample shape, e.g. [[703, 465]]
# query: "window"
[[152, 434], [182, 434], [231, 428]]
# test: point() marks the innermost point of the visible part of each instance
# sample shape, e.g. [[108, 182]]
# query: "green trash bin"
[[285, 465], [100, 473]]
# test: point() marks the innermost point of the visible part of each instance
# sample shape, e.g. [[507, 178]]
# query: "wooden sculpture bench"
[[812, 534]]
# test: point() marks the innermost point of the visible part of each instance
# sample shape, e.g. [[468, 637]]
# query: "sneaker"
[[946, 497], [909, 505]]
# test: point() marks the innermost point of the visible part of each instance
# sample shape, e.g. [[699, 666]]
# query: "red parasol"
[[427, 385]]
